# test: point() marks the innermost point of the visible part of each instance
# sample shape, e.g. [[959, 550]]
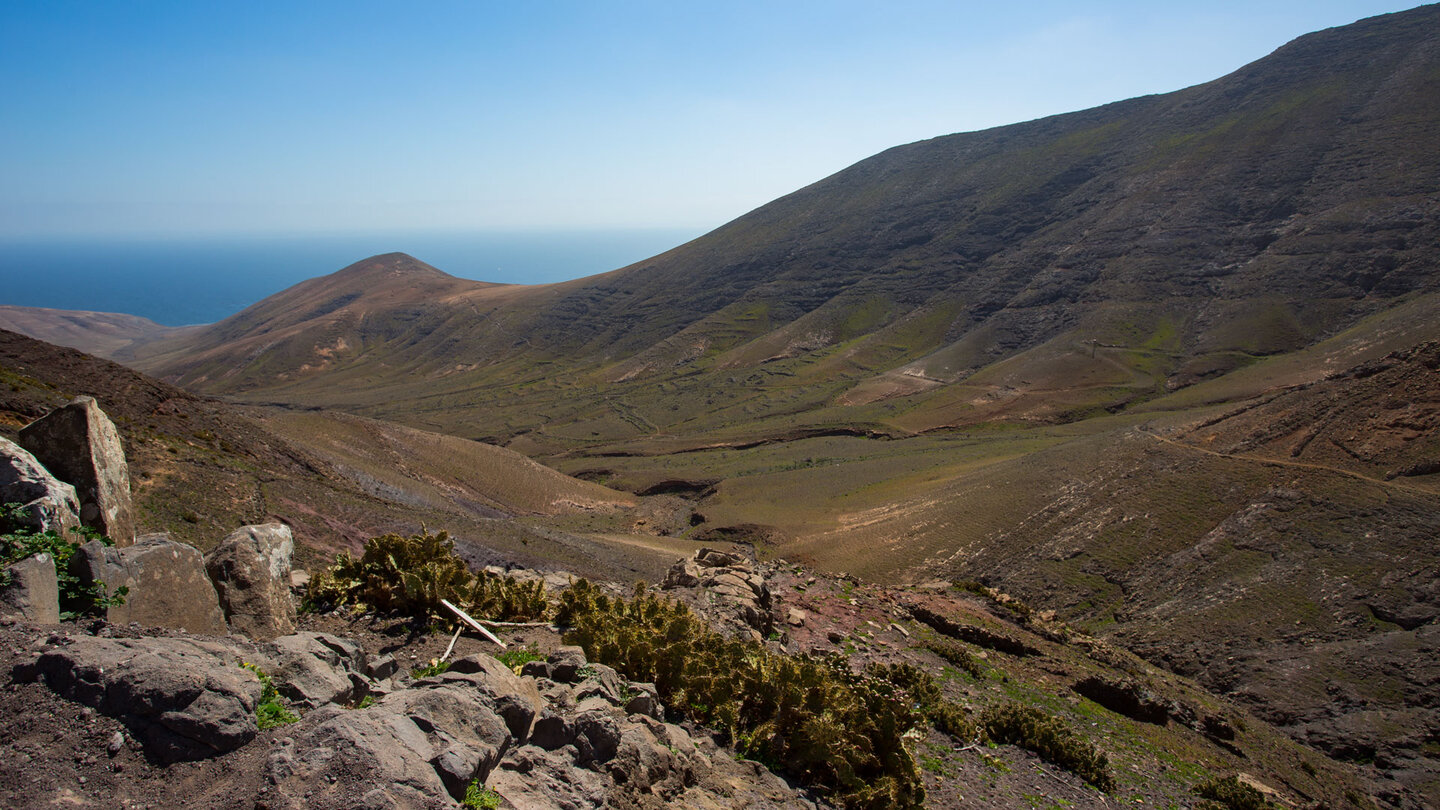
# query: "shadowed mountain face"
[[1244, 217]]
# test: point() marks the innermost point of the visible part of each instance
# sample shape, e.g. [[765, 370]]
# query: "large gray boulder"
[[251, 572], [32, 593], [513, 698], [48, 504], [313, 669], [183, 698], [167, 583], [418, 748], [79, 444]]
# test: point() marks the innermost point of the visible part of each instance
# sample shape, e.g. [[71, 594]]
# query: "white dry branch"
[[468, 619]]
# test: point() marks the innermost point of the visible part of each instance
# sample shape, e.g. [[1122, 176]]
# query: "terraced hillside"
[[1188, 233]]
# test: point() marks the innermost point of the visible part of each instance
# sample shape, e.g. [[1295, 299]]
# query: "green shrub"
[[947, 716], [1047, 736], [479, 797], [411, 574], [271, 711], [18, 541], [1231, 794], [430, 670], [516, 657], [957, 654], [831, 728]]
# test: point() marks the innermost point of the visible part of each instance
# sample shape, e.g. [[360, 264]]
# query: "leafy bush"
[[19, 541], [410, 575], [1231, 794], [829, 727], [1049, 737], [430, 670], [270, 712], [479, 797], [516, 657]]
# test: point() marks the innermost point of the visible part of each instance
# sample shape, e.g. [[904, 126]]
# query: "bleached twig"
[[453, 639], [468, 619]]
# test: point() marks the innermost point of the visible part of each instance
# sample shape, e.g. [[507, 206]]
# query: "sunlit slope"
[[103, 334], [1187, 233], [434, 469]]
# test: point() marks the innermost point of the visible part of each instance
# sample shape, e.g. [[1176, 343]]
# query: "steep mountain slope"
[[1198, 230]]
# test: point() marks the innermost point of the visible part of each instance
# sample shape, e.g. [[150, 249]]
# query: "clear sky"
[[200, 117]]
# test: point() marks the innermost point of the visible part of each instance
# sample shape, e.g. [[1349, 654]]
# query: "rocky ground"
[[553, 734]]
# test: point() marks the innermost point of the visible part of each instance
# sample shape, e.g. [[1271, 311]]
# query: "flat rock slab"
[[183, 698], [167, 583], [313, 669], [416, 748]]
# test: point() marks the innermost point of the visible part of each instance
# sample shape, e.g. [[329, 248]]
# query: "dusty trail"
[[1304, 465]]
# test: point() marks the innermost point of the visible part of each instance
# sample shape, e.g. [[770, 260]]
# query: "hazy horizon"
[[193, 279]]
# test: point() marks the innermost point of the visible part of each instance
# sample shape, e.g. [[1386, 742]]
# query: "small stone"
[[117, 742], [565, 663]]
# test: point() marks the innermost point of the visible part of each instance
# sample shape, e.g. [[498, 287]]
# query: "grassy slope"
[[1196, 231], [200, 468]]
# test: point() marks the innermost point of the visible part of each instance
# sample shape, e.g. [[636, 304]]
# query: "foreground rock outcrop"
[[79, 444], [46, 502], [184, 698], [581, 741]]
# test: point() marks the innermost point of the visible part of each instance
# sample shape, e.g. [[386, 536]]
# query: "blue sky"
[[259, 117]]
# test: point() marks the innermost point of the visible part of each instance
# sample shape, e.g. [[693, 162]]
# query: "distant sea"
[[191, 280]]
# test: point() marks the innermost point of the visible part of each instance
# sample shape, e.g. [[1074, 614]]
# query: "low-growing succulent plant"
[[812, 716], [411, 575]]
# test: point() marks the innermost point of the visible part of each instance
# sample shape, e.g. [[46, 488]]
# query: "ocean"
[[192, 280]]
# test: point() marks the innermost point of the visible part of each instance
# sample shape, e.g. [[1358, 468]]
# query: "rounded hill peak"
[[391, 265]]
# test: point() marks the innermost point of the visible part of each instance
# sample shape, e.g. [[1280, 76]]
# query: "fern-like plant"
[[19, 541]]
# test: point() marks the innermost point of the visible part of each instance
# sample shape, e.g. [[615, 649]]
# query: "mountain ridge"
[[1227, 209]]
